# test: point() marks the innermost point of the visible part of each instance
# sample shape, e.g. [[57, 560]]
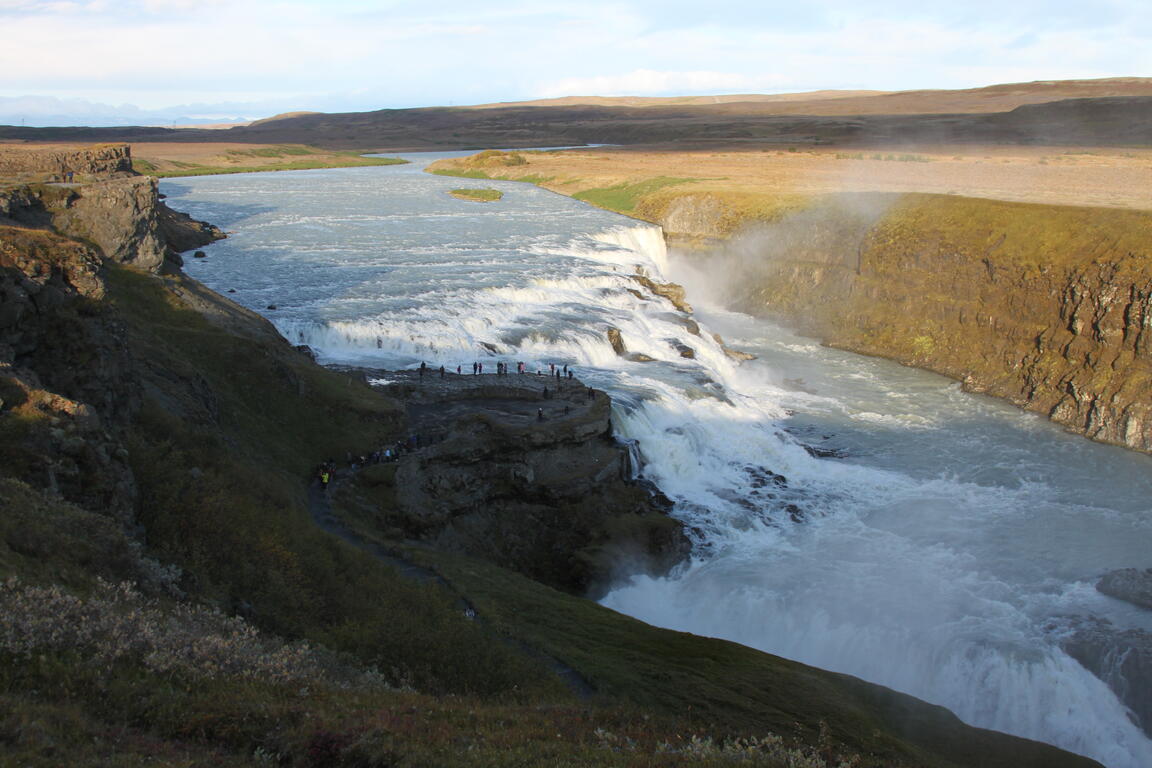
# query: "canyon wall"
[[54, 163], [1049, 307]]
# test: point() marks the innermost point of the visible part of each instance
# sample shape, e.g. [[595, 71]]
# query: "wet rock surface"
[[523, 470], [1122, 659], [1130, 584], [670, 291]]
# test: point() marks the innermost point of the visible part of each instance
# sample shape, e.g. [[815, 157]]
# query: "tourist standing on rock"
[[441, 371], [325, 476], [423, 367], [474, 367], [539, 414]]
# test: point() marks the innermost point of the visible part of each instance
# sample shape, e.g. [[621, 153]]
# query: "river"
[[936, 542]]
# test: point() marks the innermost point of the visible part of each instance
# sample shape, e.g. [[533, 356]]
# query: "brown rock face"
[[1048, 307], [671, 291], [24, 164], [113, 208], [121, 216], [616, 339]]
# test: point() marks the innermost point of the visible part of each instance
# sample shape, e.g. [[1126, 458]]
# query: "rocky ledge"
[[523, 470], [1130, 584]]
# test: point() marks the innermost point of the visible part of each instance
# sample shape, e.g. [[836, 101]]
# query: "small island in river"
[[486, 195]]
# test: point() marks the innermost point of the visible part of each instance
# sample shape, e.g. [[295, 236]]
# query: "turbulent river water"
[[939, 543]]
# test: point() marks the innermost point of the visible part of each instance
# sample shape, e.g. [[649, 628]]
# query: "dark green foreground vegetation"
[[233, 631]]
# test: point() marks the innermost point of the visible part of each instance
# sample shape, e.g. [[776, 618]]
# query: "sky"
[[157, 62]]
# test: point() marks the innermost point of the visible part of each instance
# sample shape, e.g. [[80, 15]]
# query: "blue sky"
[[99, 61]]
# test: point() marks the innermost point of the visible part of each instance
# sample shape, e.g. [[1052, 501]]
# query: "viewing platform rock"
[[523, 470], [545, 408]]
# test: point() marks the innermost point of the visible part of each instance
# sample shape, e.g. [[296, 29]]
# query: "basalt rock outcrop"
[[122, 217], [64, 357], [1049, 307], [54, 164], [670, 291], [530, 480]]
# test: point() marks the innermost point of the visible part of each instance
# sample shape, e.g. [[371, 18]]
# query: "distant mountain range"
[[1112, 111]]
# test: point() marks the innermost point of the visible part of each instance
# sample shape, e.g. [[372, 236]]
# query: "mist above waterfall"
[[829, 234]]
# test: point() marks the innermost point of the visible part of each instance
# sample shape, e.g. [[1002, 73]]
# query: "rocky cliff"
[[123, 218], [1049, 307], [524, 471], [30, 163]]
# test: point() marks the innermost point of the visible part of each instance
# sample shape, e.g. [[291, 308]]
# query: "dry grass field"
[[1101, 177]]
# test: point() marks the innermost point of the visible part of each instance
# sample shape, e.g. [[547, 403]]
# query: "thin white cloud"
[[649, 81]]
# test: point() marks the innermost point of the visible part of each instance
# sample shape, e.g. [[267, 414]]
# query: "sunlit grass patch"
[[624, 198]]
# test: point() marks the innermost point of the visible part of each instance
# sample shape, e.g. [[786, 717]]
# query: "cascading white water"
[[941, 555]]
